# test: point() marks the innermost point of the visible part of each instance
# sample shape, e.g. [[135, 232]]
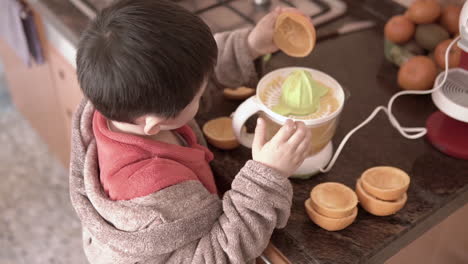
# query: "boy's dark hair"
[[144, 57]]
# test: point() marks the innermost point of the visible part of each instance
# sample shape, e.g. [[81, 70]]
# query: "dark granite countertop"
[[439, 183]]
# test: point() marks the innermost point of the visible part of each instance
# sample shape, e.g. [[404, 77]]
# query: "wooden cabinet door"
[[66, 86], [32, 91]]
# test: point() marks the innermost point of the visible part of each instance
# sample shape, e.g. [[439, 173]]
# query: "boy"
[[140, 183]]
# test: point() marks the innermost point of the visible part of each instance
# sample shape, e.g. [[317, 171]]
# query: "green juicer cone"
[[300, 95]]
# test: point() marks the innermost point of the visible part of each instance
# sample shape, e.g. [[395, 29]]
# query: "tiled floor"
[[37, 222]]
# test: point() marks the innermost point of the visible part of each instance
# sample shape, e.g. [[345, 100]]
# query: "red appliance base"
[[448, 135]]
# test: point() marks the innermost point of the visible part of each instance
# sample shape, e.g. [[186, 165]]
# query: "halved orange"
[[239, 93], [294, 34], [219, 133]]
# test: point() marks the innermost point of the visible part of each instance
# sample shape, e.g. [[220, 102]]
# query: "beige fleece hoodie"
[[183, 223]]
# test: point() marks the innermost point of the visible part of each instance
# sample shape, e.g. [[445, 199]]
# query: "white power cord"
[[407, 132]]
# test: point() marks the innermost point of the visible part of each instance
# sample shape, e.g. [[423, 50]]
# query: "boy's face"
[[187, 114]]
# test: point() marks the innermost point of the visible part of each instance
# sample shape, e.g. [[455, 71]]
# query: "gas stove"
[[222, 15]]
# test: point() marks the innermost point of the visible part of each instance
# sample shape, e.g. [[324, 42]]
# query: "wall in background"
[[408, 2]]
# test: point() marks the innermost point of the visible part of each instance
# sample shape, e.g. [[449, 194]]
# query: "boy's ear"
[[152, 125]]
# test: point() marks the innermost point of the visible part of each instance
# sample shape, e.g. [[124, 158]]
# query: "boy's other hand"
[[260, 39], [286, 151]]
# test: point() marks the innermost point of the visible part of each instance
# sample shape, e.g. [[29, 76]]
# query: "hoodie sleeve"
[[235, 67], [259, 201], [196, 226], [235, 64]]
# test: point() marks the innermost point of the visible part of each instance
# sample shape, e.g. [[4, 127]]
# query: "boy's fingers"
[[277, 10], [298, 136], [259, 136], [271, 17], [304, 146], [285, 132]]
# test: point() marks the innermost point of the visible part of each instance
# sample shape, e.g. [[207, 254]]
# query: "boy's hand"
[[260, 39], [286, 151]]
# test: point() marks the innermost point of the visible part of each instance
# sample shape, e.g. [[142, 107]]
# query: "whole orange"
[[417, 73], [399, 29], [450, 17], [424, 11], [454, 54]]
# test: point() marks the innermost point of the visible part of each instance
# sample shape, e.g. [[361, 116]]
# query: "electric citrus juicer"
[[447, 129], [322, 122]]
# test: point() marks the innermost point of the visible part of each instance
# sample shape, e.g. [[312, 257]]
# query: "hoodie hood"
[[139, 226]]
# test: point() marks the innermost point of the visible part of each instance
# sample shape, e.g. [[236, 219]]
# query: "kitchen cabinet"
[[67, 88], [46, 94]]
